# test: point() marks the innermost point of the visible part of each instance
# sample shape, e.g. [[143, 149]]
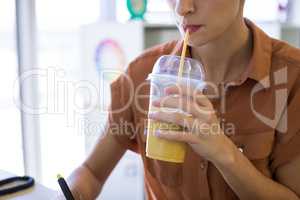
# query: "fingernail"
[[151, 115], [157, 133], [155, 103], [167, 90]]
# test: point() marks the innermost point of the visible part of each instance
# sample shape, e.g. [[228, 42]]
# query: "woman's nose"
[[185, 7]]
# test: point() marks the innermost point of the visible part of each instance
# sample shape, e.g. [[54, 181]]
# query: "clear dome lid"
[[169, 65]]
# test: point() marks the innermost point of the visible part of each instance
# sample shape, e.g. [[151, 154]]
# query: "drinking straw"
[[183, 54]]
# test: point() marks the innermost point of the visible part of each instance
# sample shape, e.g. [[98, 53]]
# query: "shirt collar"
[[261, 60], [260, 63]]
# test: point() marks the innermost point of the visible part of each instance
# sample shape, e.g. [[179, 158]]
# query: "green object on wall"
[[137, 8]]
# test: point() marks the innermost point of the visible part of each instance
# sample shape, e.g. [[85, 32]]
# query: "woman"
[[258, 94]]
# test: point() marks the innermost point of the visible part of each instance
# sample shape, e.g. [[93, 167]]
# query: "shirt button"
[[202, 165], [241, 148]]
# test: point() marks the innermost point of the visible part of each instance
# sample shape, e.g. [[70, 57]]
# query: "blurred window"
[[10, 127]]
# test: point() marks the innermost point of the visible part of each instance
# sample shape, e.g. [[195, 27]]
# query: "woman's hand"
[[202, 127]]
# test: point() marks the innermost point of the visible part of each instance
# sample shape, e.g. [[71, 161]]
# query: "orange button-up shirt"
[[261, 117]]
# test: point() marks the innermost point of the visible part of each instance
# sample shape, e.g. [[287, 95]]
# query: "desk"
[[38, 192]]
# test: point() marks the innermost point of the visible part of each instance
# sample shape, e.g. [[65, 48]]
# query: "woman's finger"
[[192, 125], [186, 104], [194, 92], [179, 136], [172, 117]]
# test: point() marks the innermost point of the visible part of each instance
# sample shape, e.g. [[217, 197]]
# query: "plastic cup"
[[164, 74]]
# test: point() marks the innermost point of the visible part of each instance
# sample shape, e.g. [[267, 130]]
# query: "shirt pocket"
[[255, 146]]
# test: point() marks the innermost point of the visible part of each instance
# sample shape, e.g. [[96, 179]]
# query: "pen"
[[64, 187]]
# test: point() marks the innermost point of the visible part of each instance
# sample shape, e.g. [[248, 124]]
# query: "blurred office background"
[[65, 53]]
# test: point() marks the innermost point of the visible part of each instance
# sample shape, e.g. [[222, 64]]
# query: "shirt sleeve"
[[121, 116], [287, 144]]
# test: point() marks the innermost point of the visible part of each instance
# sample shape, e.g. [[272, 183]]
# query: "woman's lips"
[[191, 28]]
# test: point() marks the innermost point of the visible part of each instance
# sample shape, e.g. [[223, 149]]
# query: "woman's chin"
[[200, 39], [197, 42]]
